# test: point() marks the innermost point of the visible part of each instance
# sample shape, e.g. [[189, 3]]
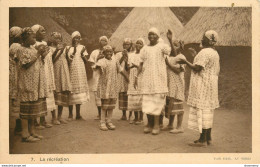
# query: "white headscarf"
[[107, 47], [212, 36], [141, 39], [154, 30], [36, 27], [103, 38], [15, 32], [127, 40], [74, 34]]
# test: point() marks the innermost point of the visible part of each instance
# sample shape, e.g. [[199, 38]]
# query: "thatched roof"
[[27, 17], [234, 26], [141, 19]]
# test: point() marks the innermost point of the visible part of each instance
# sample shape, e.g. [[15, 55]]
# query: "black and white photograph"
[[130, 80]]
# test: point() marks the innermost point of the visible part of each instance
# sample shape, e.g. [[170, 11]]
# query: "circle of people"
[[148, 80]]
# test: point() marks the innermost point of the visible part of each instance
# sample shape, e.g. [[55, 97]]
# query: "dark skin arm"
[[54, 57], [57, 57], [124, 72], [100, 70], [60, 47], [125, 75], [85, 58], [139, 70], [173, 50], [124, 57], [194, 67]]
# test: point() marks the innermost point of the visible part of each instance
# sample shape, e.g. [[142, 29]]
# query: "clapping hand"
[[60, 46], [82, 52], [169, 35], [43, 50]]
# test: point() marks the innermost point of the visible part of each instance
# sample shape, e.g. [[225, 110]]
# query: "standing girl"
[[122, 58], [175, 75], [48, 67], [134, 97], [93, 58], [107, 87], [32, 86], [76, 56], [14, 102], [154, 80], [61, 75]]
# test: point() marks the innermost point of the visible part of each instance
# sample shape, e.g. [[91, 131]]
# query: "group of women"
[[148, 79]]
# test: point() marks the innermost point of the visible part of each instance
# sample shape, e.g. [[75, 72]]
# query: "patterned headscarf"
[[75, 34], [212, 36], [56, 35], [36, 28], [103, 38], [15, 32]]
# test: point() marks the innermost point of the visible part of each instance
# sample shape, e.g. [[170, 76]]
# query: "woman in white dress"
[[153, 84], [77, 55], [203, 91]]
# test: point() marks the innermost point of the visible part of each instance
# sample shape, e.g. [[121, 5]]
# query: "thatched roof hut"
[[27, 17], [232, 24], [234, 27], [141, 19]]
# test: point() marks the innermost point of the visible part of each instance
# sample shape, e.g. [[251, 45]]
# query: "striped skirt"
[[153, 104], [123, 98], [200, 119], [173, 106], [134, 102], [50, 102], [33, 109], [78, 98], [14, 107], [62, 98], [97, 99], [108, 104]]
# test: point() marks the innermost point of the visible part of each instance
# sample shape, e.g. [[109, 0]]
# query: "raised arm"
[[173, 50]]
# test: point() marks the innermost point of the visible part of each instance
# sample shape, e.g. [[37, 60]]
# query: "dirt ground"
[[232, 133]]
